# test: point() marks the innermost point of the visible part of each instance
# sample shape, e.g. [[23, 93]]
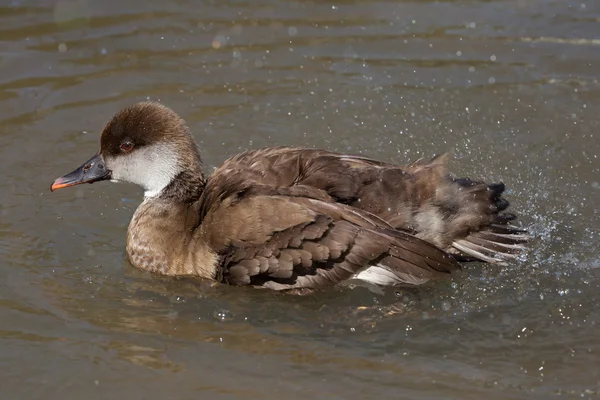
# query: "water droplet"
[[223, 315], [177, 299], [219, 41]]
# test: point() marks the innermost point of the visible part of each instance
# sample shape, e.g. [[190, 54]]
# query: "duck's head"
[[147, 144]]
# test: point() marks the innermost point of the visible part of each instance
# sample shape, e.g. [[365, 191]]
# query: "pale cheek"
[[119, 171], [148, 167], [116, 177]]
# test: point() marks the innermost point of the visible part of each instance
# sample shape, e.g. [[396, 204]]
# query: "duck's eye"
[[126, 146]]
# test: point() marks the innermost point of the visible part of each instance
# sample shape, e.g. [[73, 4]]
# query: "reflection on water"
[[508, 87]]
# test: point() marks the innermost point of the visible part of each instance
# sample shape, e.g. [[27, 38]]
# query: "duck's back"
[[461, 216]]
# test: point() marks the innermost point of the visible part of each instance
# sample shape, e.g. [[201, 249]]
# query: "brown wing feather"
[[284, 242], [420, 198]]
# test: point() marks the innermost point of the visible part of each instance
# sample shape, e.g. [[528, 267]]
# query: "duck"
[[294, 219]]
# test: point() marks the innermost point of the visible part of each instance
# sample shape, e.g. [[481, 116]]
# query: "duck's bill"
[[91, 171]]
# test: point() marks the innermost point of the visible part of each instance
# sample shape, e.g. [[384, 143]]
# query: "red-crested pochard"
[[293, 219]]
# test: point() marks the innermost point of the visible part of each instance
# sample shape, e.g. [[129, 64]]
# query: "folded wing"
[[285, 241]]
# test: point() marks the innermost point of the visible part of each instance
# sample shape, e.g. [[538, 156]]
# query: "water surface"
[[509, 87]]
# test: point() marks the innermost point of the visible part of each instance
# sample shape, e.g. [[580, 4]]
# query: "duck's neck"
[[186, 187]]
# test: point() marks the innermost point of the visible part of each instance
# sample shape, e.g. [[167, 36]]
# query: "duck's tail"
[[464, 216], [495, 240]]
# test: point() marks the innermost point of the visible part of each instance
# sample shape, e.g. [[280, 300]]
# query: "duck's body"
[[291, 218]]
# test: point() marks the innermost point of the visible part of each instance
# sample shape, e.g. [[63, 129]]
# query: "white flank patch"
[[430, 225], [381, 275]]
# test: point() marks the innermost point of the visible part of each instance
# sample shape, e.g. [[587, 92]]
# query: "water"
[[510, 87]]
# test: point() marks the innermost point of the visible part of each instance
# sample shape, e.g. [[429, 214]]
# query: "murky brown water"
[[510, 86]]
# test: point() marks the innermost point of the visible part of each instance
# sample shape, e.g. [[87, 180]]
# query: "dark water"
[[510, 87]]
